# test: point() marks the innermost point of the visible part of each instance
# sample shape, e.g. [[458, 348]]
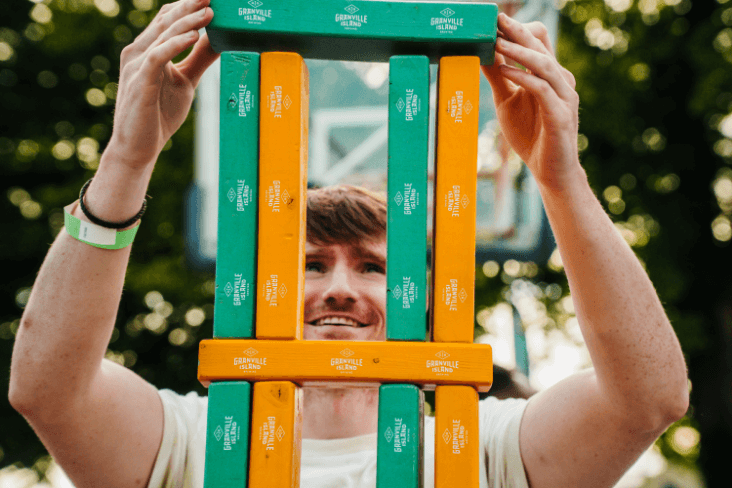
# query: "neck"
[[336, 413]]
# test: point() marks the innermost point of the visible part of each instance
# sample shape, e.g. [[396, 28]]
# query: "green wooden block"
[[356, 30], [406, 231], [399, 456], [236, 255], [227, 435]]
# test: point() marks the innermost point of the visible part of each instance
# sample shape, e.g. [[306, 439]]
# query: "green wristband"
[[96, 235]]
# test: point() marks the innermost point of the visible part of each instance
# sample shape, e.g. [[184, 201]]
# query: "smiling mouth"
[[338, 321]]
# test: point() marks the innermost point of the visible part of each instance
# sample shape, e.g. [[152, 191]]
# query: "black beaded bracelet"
[[104, 223]]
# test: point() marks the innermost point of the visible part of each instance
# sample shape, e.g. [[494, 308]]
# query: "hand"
[[537, 109], [155, 95]]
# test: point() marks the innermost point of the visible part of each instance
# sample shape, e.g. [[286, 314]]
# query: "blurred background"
[[655, 84]]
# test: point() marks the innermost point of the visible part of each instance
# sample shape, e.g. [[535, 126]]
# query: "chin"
[[341, 333]]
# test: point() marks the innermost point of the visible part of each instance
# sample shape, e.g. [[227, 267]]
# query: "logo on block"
[[251, 352], [351, 9], [400, 105], [255, 3], [218, 433], [388, 434], [397, 292], [347, 353], [228, 289], [448, 12], [446, 436], [443, 354], [280, 433]]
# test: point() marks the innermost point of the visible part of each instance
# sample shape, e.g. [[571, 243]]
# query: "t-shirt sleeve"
[[500, 421], [181, 456]]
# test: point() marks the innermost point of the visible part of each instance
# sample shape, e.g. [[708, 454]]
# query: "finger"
[[167, 16], [540, 31], [541, 89], [518, 33], [159, 56], [542, 65], [198, 61], [502, 88], [191, 22]]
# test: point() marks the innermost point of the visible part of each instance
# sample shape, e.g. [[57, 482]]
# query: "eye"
[[316, 266], [374, 268]]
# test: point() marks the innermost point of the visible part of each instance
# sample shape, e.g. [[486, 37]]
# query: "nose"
[[340, 290]]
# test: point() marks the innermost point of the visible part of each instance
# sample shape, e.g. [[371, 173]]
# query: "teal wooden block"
[[355, 30], [227, 435], [236, 255], [400, 446], [406, 231]]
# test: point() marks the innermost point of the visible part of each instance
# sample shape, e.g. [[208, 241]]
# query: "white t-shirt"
[[339, 463]]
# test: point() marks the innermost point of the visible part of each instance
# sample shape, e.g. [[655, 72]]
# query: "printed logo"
[[228, 289], [450, 295], [397, 292], [388, 434], [245, 100], [231, 194], [273, 196], [459, 437], [443, 354], [267, 433], [413, 105], [446, 24], [398, 198], [233, 101], [280, 433], [451, 201], [274, 102], [409, 290], [218, 433], [464, 200], [455, 107], [243, 195], [400, 105], [241, 289], [251, 352], [287, 102], [285, 197], [250, 363], [271, 288], [351, 21], [401, 435], [411, 198], [231, 433], [347, 353], [283, 291], [462, 295], [446, 436], [254, 15], [468, 107]]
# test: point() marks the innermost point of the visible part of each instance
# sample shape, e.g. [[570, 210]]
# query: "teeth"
[[337, 321]]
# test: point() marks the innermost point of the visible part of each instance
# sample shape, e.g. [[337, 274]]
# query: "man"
[[107, 427]]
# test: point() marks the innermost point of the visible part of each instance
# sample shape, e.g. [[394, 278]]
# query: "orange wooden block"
[[276, 435], [457, 443], [453, 251], [356, 363], [282, 196]]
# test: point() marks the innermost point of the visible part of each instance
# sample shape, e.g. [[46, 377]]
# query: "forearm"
[[70, 315], [637, 358]]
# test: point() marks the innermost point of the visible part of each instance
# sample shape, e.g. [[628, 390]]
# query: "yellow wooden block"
[[453, 266], [282, 196], [356, 363], [276, 435], [457, 442]]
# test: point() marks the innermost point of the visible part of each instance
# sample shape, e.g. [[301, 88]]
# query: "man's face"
[[345, 291]]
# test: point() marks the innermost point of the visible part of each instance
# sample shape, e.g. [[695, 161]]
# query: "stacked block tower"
[[257, 362]]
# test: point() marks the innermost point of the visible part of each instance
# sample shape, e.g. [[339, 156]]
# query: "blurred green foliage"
[[654, 78]]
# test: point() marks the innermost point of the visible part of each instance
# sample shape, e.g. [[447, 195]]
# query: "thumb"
[[502, 87], [201, 57]]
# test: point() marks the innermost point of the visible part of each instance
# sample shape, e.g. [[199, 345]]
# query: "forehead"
[[358, 250]]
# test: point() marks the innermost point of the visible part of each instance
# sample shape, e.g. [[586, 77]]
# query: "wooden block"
[[236, 255], [355, 30], [453, 251], [406, 231], [457, 442], [227, 435], [282, 196], [399, 455], [345, 362], [276, 435]]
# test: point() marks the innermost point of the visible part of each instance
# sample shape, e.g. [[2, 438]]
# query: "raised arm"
[[100, 421], [588, 429]]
